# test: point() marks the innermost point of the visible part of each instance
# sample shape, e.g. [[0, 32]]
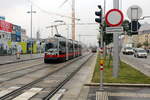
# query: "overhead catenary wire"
[[63, 3], [71, 24], [51, 13]]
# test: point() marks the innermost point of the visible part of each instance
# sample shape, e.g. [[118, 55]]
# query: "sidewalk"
[[75, 89], [9, 59]]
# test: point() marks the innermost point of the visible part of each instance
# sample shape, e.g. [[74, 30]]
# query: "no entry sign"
[[114, 17]]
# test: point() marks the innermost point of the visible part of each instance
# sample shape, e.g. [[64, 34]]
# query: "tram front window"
[[50, 46]]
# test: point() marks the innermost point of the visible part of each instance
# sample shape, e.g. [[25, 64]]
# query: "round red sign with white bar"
[[114, 17]]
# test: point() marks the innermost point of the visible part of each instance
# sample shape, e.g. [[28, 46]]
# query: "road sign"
[[101, 68], [134, 12], [101, 62], [114, 17], [110, 30]]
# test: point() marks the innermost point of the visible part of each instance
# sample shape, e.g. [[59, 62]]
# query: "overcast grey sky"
[[15, 12]]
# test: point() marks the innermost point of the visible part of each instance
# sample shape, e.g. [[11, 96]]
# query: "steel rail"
[[28, 86], [25, 74], [54, 91]]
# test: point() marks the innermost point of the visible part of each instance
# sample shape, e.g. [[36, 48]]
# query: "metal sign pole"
[[116, 46]]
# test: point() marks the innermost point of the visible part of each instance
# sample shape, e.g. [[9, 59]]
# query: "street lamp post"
[[31, 28]]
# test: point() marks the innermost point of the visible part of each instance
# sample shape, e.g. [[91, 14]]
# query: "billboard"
[[16, 30], [23, 46], [13, 37], [5, 26], [18, 38]]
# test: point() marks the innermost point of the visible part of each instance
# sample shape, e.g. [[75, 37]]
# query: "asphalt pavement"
[[124, 92], [120, 93], [141, 64], [75, 90]]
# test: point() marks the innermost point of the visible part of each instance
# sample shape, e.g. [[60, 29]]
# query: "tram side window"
[[62, 47], [69, 47], [76, 46], [62, 44], [80, 47]]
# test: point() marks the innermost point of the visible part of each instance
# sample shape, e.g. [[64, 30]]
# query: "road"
[[121, 93], [125, 93], [34, 79], [141, 64]]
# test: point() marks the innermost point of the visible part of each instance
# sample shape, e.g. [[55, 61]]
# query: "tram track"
[[19, 76], [29, 85], [29, 67], [12, 62], [61, 84]]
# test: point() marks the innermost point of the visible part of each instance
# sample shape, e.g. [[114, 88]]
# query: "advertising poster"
[[5, 26], [16, 30], [18, 38]]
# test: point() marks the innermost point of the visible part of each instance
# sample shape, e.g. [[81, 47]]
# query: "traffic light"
[[99, 14], [134, 27]]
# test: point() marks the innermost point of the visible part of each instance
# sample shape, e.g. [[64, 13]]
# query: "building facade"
[[11, 36], [11, 32], [24, 37], [5, 31], [142, 38]]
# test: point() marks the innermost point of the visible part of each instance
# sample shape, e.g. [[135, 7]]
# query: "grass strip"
[[127, 74]]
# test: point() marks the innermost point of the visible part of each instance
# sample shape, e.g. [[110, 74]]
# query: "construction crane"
[[73, 20], [73, 17]]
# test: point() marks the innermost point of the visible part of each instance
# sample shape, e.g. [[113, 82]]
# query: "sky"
[[15, 12]]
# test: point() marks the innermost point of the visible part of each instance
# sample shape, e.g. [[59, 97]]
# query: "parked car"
[[128, 50], [139, 52]]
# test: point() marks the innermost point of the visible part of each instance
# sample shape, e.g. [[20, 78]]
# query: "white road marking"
[[58, 95], [28, 94], [139, 95], [104, 95], [101, 96], [4, 92]]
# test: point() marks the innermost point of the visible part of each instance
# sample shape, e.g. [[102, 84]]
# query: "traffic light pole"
[[116, 58], [101, 55], [101, 61]]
